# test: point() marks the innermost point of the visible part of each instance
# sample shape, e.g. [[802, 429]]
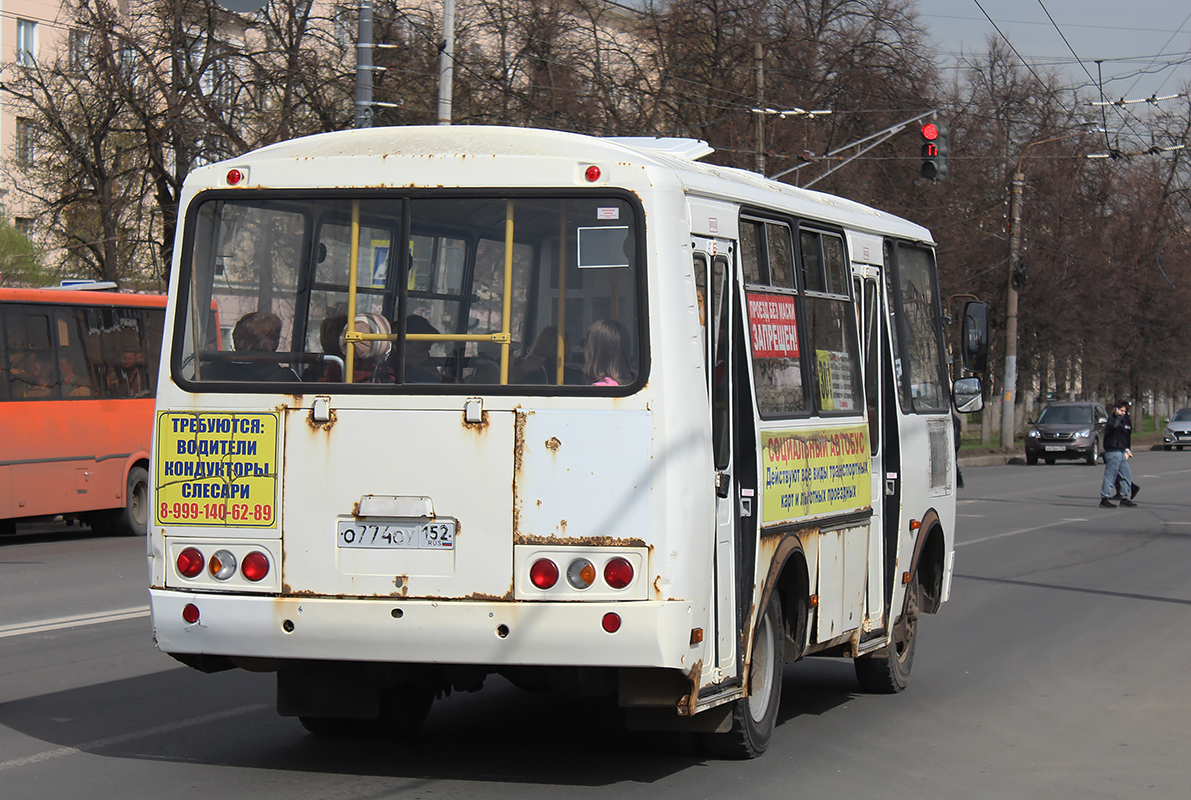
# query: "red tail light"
[[255, 566], [190, 614], [544, 573], [190, 562], [611, 622], [618, 572]]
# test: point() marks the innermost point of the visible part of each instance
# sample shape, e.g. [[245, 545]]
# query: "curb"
[[1000, 459]]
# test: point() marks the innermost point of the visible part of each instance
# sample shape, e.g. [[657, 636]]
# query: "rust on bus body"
[[322, 427], [519, 419], [578, 541], [476, 427]]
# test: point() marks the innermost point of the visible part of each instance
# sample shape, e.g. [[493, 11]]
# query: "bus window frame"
[[762, 217], [847, 302], [900, 344], [795, 228], [57, 311], [407, 196]]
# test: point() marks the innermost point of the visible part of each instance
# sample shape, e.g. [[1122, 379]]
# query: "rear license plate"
[[1054, 447], [398, 535]]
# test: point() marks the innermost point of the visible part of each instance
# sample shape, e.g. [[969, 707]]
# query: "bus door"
[[918, 456], [714, 276], [874, 349]]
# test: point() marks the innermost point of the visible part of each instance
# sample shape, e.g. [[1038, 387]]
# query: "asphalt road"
[[1059, 669]]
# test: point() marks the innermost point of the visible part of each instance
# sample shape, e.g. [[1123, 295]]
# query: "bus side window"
[[78, 374], [117, 340], [32, 371]]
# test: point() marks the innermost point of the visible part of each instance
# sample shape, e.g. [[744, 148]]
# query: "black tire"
[[1050, 461], [133, 519], [403, 710], [754, 717], [887, 671], [1031, 459], [1166, 447], [1091, 457]]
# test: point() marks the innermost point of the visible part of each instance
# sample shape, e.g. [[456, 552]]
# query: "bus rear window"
[[527, 292]]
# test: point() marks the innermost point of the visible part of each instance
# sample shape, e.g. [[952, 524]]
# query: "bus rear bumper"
[[651, 633]]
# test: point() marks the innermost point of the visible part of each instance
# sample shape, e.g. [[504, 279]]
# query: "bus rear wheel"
[[887, 671], [133, 519], [754, 717]]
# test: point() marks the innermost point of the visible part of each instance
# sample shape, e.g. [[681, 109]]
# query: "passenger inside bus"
[[328, 338], [256, 332], [419, 366], [370, 358], [540, 364], [485, 366], [127, 379], [31, 376], [604, 361], [74, 385]]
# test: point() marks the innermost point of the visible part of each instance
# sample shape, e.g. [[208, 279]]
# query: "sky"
[[1144, 45]]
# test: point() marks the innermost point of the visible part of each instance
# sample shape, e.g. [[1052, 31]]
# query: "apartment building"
[[29, 29]]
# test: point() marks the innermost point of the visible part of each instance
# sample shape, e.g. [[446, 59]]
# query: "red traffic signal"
[[935, 150]]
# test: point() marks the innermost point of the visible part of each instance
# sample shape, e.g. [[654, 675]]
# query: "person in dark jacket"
[[1117, 452]]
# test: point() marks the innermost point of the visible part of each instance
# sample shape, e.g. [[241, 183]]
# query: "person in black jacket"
[[1117, 452]]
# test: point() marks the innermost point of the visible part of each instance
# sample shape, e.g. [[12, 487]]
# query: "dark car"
[[1067, 430]]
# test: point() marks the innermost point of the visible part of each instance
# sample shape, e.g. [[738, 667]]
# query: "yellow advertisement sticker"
[[216, 468], [815, 471]]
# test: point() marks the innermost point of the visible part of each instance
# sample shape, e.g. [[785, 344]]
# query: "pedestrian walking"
[[1118, 436]]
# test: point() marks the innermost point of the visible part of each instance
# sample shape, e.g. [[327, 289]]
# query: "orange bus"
[[77, 378]]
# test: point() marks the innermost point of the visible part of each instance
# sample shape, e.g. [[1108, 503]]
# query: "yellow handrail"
[[507, 299], [560, 345], [353, 271], [504, 337]]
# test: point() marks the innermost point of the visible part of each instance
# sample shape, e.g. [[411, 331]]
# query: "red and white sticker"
[[773, 324]]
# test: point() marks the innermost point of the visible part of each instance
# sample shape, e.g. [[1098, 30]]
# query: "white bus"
[[606, 419]]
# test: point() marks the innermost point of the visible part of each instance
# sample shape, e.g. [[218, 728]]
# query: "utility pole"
[[759, 119], [1008, 421], [446, 63], [363, 116]]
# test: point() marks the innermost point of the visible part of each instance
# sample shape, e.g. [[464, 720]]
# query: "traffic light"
[[935, 148]]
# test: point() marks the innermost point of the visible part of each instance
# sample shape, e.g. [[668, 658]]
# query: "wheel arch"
[[788, 577], [928, 565]]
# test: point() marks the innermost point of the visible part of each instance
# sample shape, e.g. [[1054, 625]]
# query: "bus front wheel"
[[754, 717], [887, 671]]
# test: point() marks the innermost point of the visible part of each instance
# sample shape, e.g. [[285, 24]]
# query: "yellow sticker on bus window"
[[216, 468], [814, 471]]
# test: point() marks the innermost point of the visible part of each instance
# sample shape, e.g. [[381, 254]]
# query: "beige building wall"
[[28, 29]]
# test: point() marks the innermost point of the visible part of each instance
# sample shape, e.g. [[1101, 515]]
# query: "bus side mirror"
[[975, 337], [968, 395]]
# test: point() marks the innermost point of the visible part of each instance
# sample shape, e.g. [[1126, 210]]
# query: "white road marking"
[[76, 621], [1012, 533], [49, 755]]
